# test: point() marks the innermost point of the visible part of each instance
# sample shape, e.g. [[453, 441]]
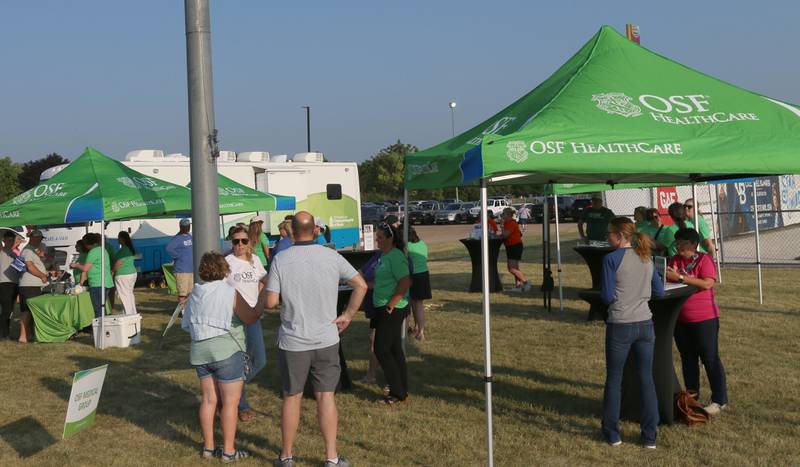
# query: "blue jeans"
[[96, 294], [701, 341], [258, 357], [621, 338], [224, 371]]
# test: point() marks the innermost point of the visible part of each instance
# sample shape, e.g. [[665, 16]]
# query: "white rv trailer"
[[329, 190]]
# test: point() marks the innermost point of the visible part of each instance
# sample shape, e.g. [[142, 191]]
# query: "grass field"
[[548, 372]]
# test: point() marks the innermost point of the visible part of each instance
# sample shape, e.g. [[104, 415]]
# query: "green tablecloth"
[[57, 317]]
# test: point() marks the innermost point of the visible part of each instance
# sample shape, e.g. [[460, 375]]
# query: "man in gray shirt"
[[306, 278]]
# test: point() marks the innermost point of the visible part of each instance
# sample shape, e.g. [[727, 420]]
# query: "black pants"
[[389, 349], [701, 341], [8, 297]]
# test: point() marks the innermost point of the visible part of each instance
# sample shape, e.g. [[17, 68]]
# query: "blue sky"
[[112, 74]]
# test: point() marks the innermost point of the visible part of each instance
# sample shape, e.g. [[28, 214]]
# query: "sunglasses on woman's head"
[[387, 229], [243, 241], [688, 206]]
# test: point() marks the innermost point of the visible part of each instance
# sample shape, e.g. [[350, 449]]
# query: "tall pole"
[[308, 127], [487, 330], [558, 255], [714, 232], [203, 149], [758, 245], [453, 128]]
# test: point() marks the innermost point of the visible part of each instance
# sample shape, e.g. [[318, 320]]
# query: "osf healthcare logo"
[[41, 191], [690, 109], [516, 151]]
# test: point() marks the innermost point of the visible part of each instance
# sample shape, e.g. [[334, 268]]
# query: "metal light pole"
[[308, 127], [203, 148], [453, 128]]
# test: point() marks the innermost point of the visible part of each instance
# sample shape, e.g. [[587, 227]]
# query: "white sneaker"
[[649, 446], [714, 408], [616, 443], [527, 287]]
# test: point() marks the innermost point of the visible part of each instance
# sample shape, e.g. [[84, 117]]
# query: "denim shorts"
[[225, 371]]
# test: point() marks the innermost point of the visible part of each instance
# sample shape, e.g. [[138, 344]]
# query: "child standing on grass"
[[215, 315]]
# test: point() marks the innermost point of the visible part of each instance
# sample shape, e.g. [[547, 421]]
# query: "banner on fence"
[[86, 387], [790, 198], [665, 195]]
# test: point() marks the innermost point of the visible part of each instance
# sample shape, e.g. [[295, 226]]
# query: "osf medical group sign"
[[86, 387]]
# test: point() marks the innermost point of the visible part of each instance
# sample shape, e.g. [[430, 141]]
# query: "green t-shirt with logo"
[[76, 273], [597, 220], [418, 252], [392, 267], [94, 276], [125, 255], [703, 230]]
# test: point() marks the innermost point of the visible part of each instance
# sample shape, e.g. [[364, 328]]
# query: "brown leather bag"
[[690, 410]]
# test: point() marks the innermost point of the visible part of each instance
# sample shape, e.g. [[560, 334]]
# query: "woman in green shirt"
[[390, 297], [420, 281], [125, 272], [94, 271], [75, 265], [259, 241]]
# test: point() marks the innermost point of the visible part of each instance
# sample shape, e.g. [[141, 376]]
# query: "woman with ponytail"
[[628, 282]]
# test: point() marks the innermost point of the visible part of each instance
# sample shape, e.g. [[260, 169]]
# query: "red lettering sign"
[[665, 195]]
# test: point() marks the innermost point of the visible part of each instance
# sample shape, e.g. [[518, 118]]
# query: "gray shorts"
[[321, 364]]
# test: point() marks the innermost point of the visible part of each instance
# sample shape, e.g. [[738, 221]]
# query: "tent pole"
[[546, 249], [558, 256], [102, 281], [758, 245], [487, 346], [719, 225], [714, 234], [405, 241]]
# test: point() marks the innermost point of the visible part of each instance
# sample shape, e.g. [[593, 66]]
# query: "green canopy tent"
[[235, 198], [614, 113], [93, 188]]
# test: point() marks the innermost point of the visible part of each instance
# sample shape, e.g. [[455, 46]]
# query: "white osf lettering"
[[679, 104]]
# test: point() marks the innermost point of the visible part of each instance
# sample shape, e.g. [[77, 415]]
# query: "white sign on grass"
[[86, 387]]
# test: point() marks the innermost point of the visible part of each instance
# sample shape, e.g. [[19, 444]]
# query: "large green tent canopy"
[[235, 198], [95, 187], [618, 113]]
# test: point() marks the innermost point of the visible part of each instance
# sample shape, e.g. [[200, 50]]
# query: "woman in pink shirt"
[[697, 331]]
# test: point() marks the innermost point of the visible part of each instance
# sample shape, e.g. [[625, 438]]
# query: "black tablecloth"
[[665, 316], [593, 255], [474, 249]]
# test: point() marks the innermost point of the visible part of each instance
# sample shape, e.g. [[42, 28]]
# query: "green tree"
[[31, 171], [9, 171], [381, 176]]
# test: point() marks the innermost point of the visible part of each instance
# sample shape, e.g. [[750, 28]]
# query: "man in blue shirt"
[[180, 249]]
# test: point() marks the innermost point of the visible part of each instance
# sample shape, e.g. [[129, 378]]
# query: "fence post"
[[721, 242]]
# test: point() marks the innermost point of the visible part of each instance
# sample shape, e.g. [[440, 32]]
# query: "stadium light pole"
[[203, 147], [308, 127], [453, 128]]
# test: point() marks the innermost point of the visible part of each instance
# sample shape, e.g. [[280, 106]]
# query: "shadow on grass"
[[156, 405], [27, 436], [532, 309]]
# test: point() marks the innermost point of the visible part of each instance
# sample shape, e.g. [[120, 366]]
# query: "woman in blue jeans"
[[248, 277], [629, 280]]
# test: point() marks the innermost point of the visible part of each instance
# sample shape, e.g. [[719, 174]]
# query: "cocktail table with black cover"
[[665, 316], [593, 255], [474, 248]]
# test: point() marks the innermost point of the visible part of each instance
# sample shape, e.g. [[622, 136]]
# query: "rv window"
[[334, 191]]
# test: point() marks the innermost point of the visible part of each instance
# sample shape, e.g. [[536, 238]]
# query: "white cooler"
[[118, 330]]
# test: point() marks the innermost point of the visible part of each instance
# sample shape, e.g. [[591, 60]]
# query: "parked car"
[[372, 214], [564, 207], [453, 213], [395, 211], [424, 213], [577, 208], [496, 205]]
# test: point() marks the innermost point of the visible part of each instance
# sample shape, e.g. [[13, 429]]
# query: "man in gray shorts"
[[306, 278]]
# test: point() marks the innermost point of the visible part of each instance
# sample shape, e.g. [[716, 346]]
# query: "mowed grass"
[[548, 382]]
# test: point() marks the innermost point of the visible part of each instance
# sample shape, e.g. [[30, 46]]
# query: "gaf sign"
[[690, 109]]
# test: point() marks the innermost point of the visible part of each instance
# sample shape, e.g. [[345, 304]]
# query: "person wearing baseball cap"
[[258, 239], [181, 251]]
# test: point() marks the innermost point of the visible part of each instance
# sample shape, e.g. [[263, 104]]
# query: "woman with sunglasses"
[[655, 230], [696, 221], [628, 282], [390, 297], [248, 277], [697, 330]]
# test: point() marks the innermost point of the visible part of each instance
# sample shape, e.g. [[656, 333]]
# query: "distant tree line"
[[381, 178], [16, 178]]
